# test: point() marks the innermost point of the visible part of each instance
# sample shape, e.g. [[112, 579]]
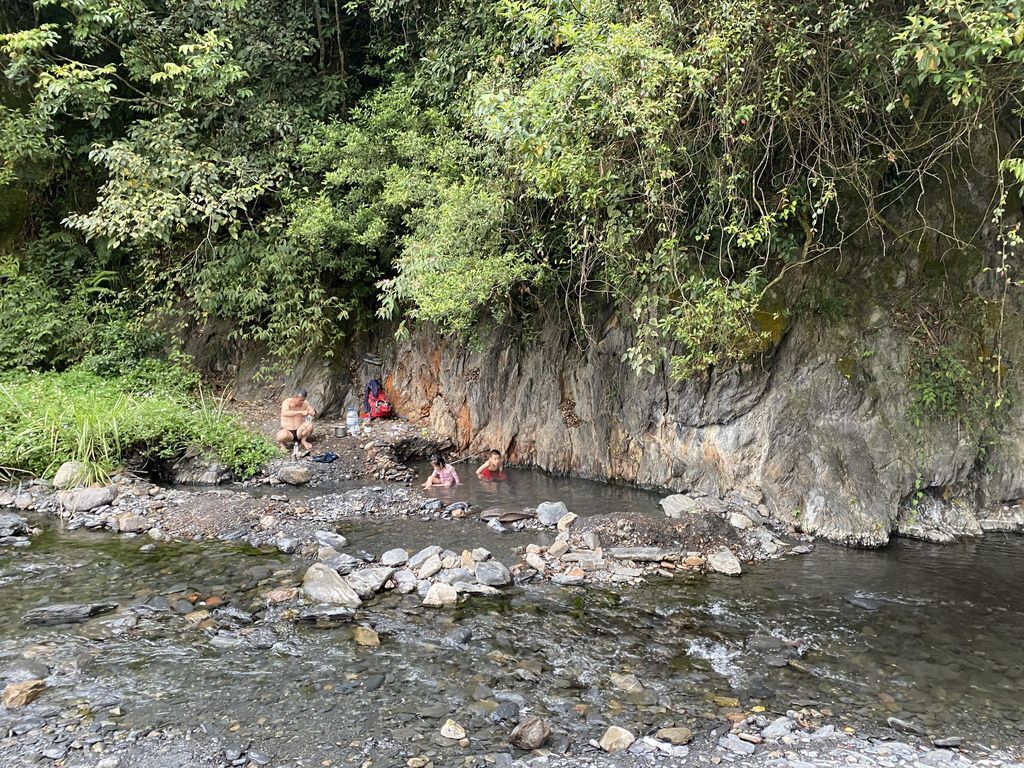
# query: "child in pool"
[[444, 474], [493, 468]]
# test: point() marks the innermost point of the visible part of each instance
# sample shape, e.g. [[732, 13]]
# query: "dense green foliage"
[[297, 168], [47, 419]]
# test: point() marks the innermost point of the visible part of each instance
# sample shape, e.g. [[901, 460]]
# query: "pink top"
[[446, 476]]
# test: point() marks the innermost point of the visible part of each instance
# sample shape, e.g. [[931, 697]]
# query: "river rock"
[[452, 730], [395, 557], [86, 499], [643, 554], [366, 637], [12, 524], [566, 521], [321, 584], [294, 474], [70, 474], [493, 573], [405, 581], [441, 595], [422, 556], [558, 548], [330, 539], [369, 581], [342, 563], [67, 613], [532, 733], [740, 521], [676, 736], [736, 745], [724, 561], [779, 727], [129, 523], [18, 695], [626, 682], [550, 512], [616, 739], [480, 555], [678, 505], [430, 567], [195, 469]]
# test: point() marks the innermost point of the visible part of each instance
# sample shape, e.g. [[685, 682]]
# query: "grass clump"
[[49, 418]]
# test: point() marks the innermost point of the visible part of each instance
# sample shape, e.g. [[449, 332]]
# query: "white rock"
[[430, 566], [452, 730], [86, 499], [441, 595], [70, 474], [741, 521], [395, 557], [550, 512]]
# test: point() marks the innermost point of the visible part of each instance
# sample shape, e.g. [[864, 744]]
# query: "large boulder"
[[550, 512], [86, 499], [70, 474], [321, 584]]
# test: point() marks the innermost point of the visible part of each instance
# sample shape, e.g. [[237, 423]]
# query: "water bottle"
[[351, 419]]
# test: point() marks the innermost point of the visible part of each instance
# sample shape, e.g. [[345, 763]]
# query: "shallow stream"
[[923, 633]]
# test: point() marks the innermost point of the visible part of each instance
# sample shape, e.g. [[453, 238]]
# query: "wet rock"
[[369, 580], [905, 726], [330, 539], [18, 695], [321, 584], [366, 637], [23, 670], [70, 474], [867, 603], [480, 555], [440, 595], [405, 581], [287, 545], [550, 512], [724, 561], [493, 573], [508, 711], [326, 614], [67, 613], [12, 525], [395, 557], [86, 499], [281, 595], [294, 474], [55, 753], [616, 739], [532, 733], [342, 563], [676, 736], [948, 742], [626, 682], [466, 587]]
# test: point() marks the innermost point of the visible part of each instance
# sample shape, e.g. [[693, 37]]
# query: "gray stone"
[[480, 555], [369, 581], [405, 581], [737, 745], [740, 521], [429, 567], [678, 505], [70, 474], [287, 545], [550, 512], [421, 557], [322, 584], [395, 557], [948, 742], [532, 733], [466, 587], [342, 563], [12, 524], [644, 554], [330, 539], [493, 573], [129, 523], [294, 474], [781, 726], [724, 561], [86, 499], [67, 613]]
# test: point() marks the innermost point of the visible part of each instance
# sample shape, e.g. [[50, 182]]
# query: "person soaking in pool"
[[444, 474], [493, 468], [296, 421]]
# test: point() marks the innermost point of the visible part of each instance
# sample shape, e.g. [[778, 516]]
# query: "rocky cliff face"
[[819, 426]]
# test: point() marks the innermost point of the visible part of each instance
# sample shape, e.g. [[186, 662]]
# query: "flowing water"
[[915, 631]]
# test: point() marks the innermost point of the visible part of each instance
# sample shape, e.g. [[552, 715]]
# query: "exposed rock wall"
[[819, 425]]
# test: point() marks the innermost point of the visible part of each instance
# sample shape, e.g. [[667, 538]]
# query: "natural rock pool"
[[192, 667]]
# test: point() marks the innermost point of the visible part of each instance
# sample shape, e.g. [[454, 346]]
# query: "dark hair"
[[495, 452], [438, 458], [300, 392]]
